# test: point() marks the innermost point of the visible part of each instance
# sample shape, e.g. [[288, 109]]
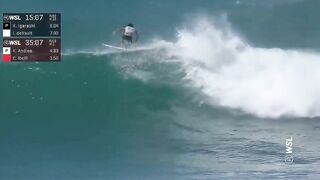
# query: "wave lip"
[[264, 82]]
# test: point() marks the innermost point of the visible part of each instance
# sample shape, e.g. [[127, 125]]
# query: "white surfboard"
[[127, 50], [114, 47]]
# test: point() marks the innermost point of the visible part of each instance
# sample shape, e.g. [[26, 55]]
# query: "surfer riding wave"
[[129, 35]]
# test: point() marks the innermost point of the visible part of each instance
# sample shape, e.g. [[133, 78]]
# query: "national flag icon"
[[6, 50]]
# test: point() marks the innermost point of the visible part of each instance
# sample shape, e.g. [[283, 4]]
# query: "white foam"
[[260, 81], [97, 51]]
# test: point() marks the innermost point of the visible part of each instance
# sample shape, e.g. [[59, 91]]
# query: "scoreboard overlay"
[[29, 37]]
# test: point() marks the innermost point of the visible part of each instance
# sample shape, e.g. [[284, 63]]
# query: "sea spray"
[[264, 82]]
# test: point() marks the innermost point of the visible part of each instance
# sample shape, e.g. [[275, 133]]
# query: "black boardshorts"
[[127, 38]]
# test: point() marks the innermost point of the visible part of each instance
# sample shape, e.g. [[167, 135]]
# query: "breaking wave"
[[232, 73]]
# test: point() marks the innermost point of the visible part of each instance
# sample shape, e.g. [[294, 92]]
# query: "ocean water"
[[217, 90]]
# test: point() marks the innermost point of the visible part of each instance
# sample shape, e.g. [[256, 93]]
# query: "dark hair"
[[130, 24]]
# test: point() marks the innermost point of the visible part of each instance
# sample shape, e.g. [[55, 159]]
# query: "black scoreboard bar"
[[31, 37]]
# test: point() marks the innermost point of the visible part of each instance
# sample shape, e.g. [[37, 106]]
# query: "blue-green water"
[[214, 94]]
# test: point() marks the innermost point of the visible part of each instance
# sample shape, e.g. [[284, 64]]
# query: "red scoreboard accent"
[[6, 58]]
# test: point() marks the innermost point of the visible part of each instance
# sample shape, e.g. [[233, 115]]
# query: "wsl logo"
[[11, 43], [11, 18], [289, 148]]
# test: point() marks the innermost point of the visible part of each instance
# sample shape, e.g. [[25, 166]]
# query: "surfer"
[[128, 34]]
